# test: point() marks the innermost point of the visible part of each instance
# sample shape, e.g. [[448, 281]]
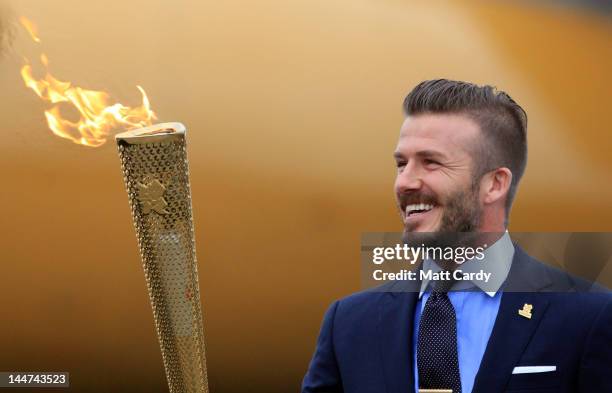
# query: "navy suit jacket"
[[365, 344]]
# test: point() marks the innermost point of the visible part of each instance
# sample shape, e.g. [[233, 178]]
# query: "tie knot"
[[443, 286]]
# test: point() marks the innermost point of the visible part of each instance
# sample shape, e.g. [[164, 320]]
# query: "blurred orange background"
[[292, 110]]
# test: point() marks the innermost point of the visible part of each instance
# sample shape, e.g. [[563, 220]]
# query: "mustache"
[[417, 197]]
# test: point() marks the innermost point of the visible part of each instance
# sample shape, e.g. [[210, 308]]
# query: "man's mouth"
[[417, 210]]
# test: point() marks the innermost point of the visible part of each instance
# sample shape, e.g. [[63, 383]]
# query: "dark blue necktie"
[[437, 358]]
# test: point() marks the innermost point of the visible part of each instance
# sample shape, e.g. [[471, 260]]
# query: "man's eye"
[[430, 162], [400, 164]]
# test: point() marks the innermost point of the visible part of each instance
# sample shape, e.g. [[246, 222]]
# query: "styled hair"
[[503, 123]]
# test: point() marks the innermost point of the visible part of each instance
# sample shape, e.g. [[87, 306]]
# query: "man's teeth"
[[418, 207]]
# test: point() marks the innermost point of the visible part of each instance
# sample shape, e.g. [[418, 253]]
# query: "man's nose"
[[409, 179]]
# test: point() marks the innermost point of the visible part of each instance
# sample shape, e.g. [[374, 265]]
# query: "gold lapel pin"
[[526, 311]]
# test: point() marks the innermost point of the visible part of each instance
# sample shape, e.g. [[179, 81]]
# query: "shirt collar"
[[497, 261]]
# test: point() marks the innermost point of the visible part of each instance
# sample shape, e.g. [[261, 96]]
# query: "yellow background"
[[292, 110]]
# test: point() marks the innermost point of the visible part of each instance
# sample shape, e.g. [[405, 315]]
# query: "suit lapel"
[[395, 331], [509, 338], [512, 332]]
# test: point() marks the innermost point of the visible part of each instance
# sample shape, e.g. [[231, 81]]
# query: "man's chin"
[[420, 229], [417, 238], [442, 239]]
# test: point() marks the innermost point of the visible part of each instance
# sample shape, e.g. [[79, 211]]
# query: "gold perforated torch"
[[154, 163]]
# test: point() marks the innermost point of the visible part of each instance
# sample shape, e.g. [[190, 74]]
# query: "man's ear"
[[495, 185]]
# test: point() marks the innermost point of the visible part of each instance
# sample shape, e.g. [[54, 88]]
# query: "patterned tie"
[[437, 359]]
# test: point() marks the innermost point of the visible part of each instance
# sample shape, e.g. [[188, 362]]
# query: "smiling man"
[[434, 186], [461, 153]]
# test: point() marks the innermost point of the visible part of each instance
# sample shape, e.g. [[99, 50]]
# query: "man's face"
[[435, 188]]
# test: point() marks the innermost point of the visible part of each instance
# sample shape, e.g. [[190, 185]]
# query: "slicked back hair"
[[503, 123]]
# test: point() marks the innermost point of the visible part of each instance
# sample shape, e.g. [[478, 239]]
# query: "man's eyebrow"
[[431, 154], [423, 153], [397, 155]]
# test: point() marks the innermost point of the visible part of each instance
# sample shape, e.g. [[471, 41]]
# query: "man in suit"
[[461, 153]]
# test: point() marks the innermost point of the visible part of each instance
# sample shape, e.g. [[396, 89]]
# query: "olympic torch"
[[156, 174], [154, 163]]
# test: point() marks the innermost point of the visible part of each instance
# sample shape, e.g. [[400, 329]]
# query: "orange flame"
[[30, 27], [97, 116]]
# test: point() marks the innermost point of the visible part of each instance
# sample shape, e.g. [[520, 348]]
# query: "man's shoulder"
[[527, 274], [370, 302], [366, 297]]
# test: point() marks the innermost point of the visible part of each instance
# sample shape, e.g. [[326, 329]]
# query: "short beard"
[[459, 223]]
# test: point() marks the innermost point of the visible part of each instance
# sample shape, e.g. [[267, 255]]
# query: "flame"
[[30, 28], [98, 118]]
